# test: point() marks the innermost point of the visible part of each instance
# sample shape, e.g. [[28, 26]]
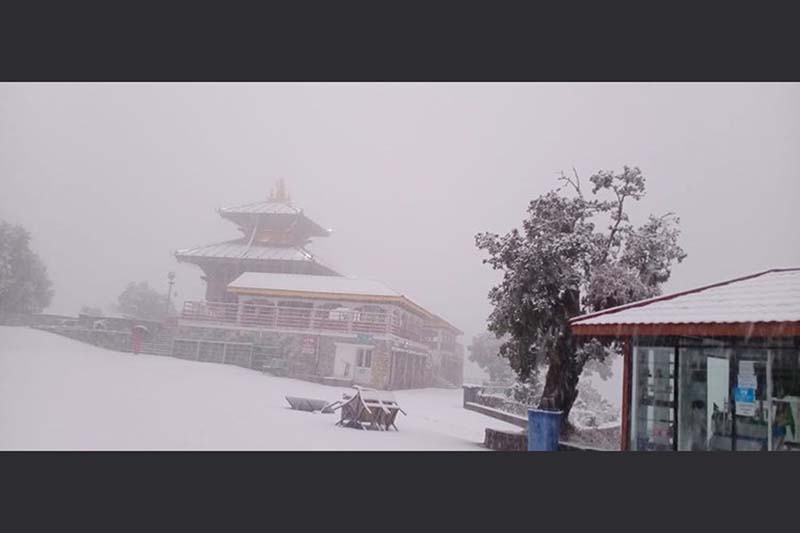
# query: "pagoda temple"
[[274, 236], [270, 305]]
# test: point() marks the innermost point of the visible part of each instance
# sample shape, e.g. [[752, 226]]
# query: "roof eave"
[[698, 329], [439, 322]]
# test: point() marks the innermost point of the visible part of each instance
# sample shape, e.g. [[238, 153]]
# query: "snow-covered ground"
[[60, 394]]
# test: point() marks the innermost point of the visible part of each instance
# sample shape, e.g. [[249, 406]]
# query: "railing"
[[294, 318]]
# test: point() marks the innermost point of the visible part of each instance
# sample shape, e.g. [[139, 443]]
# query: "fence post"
[[471, 394], [197, 352]]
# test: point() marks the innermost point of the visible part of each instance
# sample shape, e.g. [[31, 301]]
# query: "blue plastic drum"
[[543, 430]]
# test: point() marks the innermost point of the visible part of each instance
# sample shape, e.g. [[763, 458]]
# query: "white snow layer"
[[772, 296], [61, 394]]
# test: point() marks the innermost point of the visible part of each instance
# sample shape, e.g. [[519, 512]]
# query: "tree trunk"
[[561, 383]]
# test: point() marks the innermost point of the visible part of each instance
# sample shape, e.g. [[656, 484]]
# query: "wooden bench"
[[368, 409]]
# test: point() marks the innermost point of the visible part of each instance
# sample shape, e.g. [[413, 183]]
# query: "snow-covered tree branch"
[[559, 265]]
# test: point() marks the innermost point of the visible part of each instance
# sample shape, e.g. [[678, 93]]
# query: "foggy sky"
[[111, 179]]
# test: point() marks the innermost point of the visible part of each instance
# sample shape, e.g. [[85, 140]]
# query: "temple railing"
[[297, 318]]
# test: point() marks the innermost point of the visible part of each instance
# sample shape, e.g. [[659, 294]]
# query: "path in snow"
[[60, 394]]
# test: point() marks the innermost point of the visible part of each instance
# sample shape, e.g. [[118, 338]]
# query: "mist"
[[111, 179]]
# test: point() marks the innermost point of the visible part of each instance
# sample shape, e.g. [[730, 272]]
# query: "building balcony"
[[276, 317]]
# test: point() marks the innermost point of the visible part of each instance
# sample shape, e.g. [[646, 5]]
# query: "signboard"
[[744, 394], [747, 381], [745, 399], [309, 345]]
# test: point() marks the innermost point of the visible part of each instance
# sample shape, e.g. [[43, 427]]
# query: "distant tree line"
[[24, 284], [140, 300], [485, 352], [91, 311]]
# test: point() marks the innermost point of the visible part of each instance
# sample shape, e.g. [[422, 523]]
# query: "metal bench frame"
[[367, 409]]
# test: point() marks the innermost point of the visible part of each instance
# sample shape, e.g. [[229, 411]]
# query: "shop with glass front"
[[698, 394], [712, 369]]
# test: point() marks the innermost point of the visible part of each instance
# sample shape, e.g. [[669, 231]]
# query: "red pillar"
[[626, 397], [136, 339]]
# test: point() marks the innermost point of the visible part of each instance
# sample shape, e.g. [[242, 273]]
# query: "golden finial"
[[279, 193]]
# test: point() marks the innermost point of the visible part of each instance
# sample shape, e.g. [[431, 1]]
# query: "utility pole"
[[171, 278]]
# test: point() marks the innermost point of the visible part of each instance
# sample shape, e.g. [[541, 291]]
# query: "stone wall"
[[112, 340], [516, 420], [478, 395], [517, 441], [501, 408], [116, 323], [506, 441], [219, 334], [36, 319], [297, 355]]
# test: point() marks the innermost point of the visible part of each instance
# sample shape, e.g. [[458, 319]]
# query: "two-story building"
[[267, 294]]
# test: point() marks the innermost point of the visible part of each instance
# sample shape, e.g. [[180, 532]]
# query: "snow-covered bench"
[[368, 409]]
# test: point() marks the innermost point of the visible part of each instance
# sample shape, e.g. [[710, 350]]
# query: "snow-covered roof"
[[310, 283], [767, 297], [266, 207], [279, 215], [321, 286], [439, 322], [237, 249]]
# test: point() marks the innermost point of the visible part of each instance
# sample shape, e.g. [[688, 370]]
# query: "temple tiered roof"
[[272, 217], [242, 250], [274, 235]]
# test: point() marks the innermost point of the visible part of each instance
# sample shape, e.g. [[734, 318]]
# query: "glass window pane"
[[704, 417], [783, 394], [653, 393]]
